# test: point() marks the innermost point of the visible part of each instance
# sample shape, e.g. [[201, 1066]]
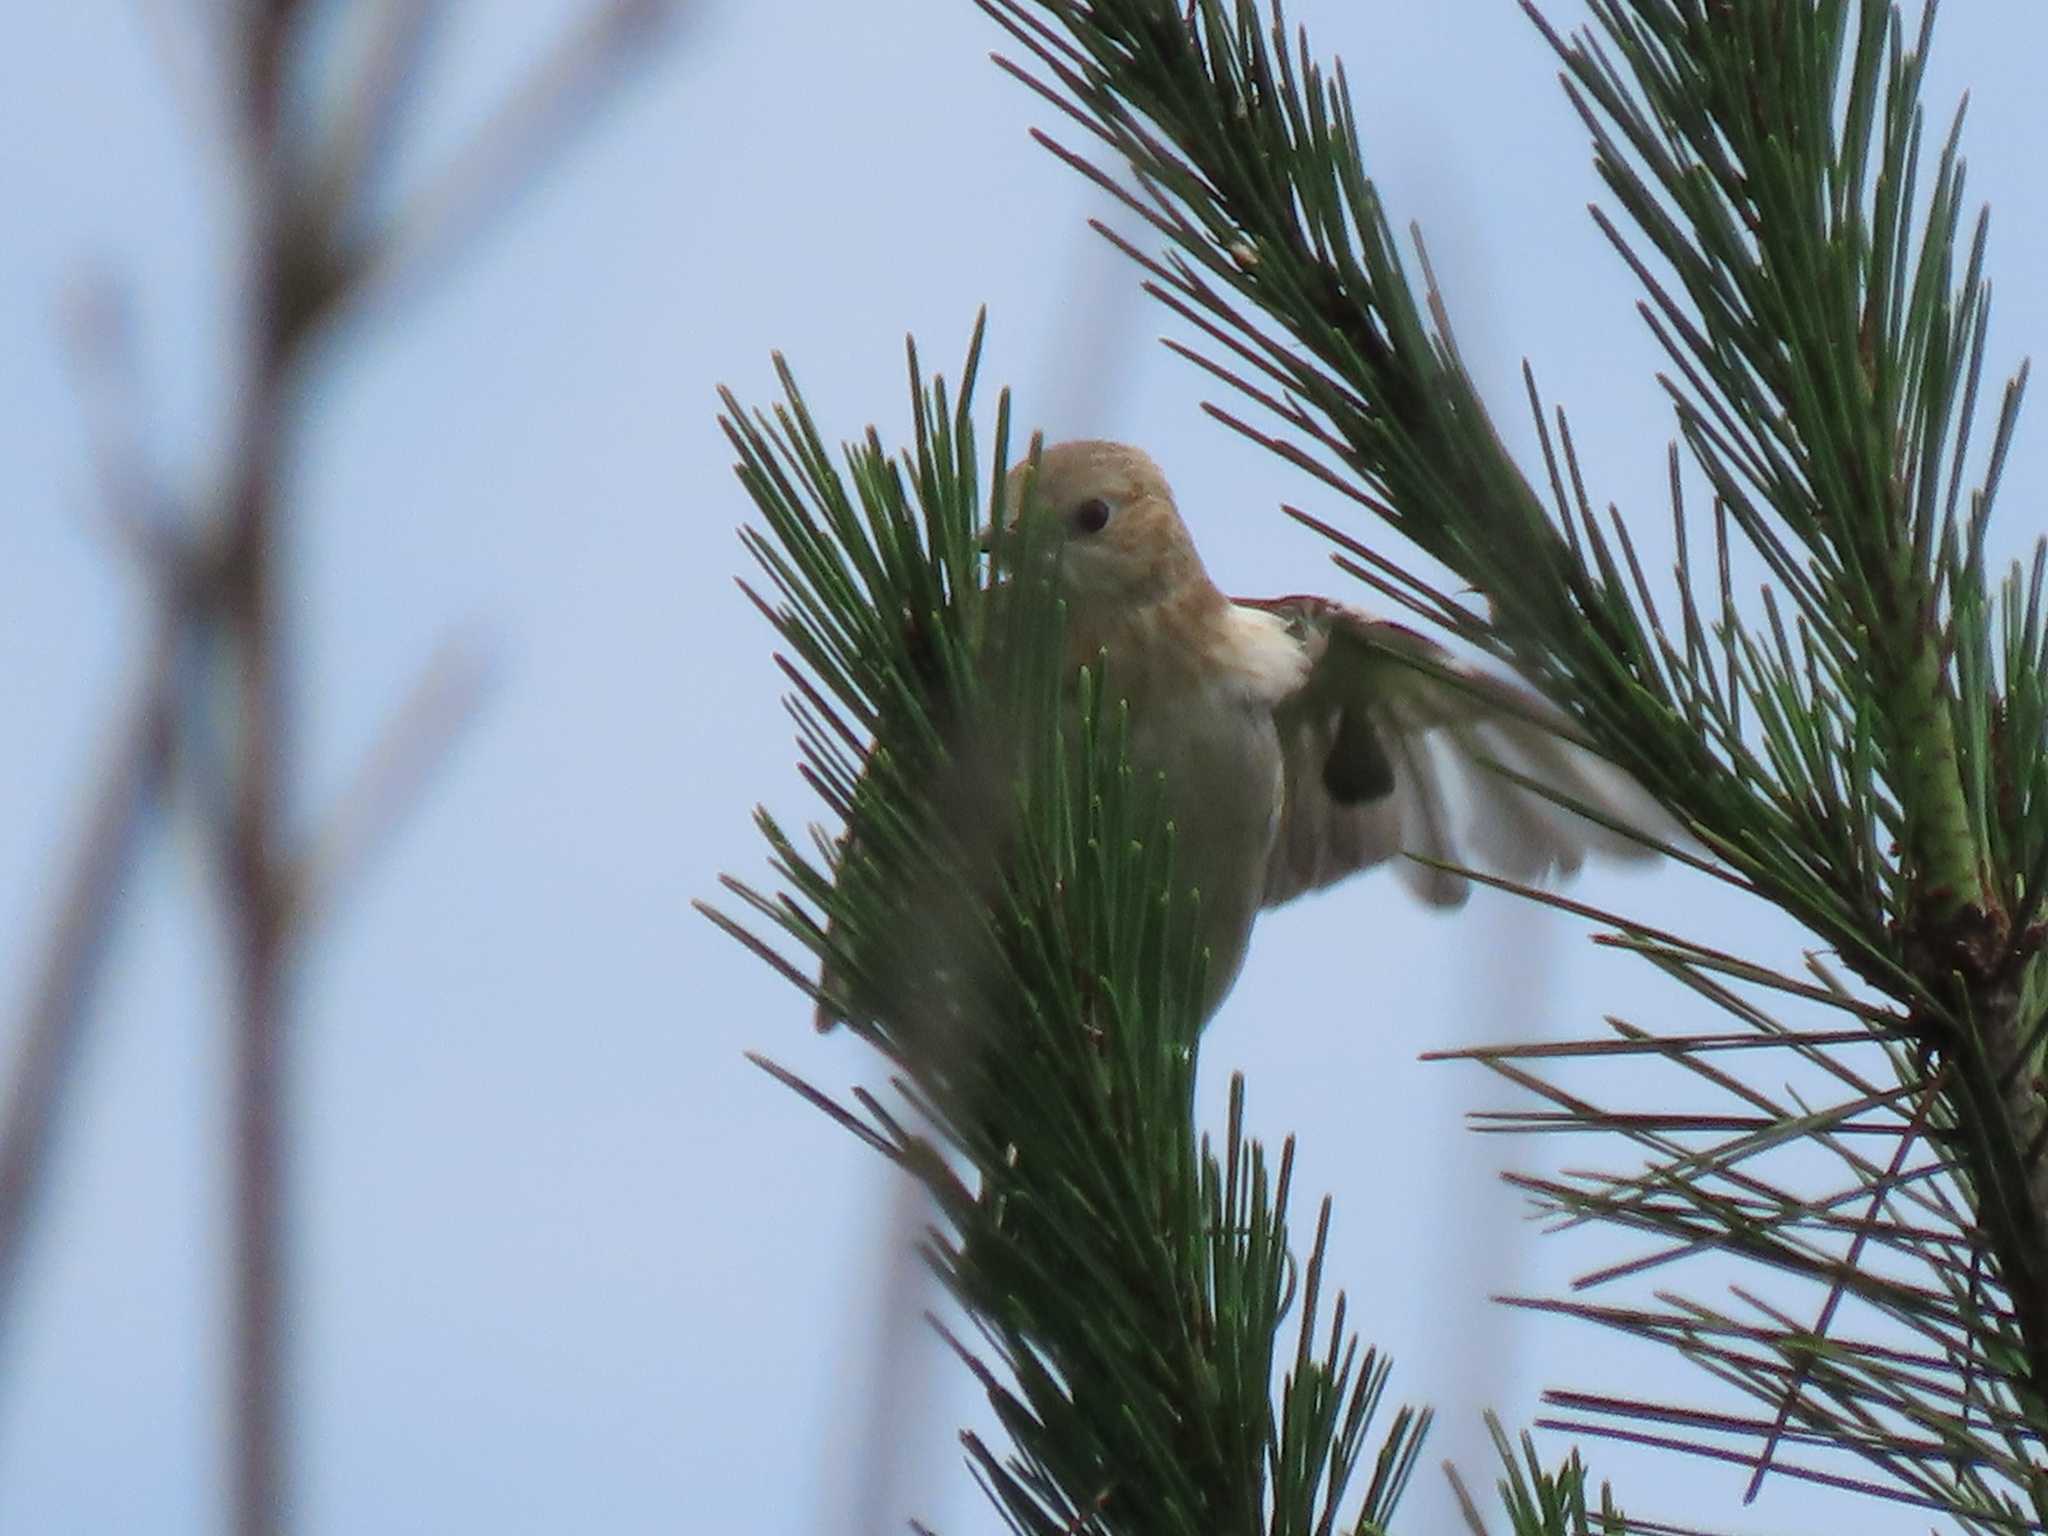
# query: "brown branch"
[[256, 914], [303, 273], [222, 583], [137, 765], [53, 1023], [388, 783], [366, 138], [505, 157], [288, 292]]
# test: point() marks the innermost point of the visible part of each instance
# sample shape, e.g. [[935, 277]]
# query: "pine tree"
[[1860, 746]]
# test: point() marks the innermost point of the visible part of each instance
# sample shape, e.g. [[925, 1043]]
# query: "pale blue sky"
[[564, 1261]]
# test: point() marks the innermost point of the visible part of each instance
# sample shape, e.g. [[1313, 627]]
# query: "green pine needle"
[[1862, 745], [1038, 1003]]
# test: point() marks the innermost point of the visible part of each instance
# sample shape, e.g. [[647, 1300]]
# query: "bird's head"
[[1105, 509]]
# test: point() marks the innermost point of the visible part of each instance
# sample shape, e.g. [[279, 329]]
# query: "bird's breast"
[[1216, 759], [1200, 678]]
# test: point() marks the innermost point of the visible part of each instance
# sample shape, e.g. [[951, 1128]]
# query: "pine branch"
[[1863, 746], [1038, 1004], [1541, 1503]]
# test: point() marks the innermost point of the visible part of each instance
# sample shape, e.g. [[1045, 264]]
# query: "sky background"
[[562, 1259]]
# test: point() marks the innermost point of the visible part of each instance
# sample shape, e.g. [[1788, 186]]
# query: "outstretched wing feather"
[[1378, 695]]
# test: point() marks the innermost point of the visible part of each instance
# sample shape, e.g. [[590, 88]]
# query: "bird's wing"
[[1388, 747]]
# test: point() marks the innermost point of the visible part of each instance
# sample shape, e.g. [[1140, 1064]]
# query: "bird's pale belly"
[[1221, 779]]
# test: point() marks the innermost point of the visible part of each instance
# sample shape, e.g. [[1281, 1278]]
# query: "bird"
[[1299, 740]]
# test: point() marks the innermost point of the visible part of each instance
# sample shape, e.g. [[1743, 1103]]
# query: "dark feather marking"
[[1358, 770]]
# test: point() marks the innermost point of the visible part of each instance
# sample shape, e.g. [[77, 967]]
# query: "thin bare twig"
[[506, 155], [186, 37], [53, 1022], [388, 784], [98, 337], [367, 135], [137, 767]]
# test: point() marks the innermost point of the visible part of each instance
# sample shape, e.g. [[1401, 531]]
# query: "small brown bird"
[[1296, 741]]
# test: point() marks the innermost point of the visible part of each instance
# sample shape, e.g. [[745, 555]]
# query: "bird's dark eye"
[[1092, 516]]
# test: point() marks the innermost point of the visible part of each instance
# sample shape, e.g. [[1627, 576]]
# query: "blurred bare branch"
[[99, 345], [183, 38], [224, 730], [384, 90], [284, 302], [130, 789], [507, 155], [414, 743], [136, 765]]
